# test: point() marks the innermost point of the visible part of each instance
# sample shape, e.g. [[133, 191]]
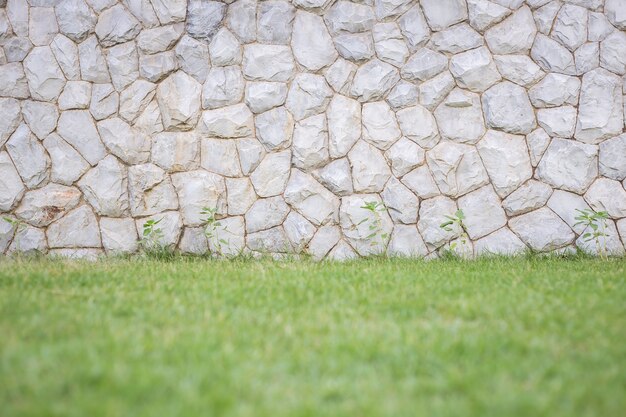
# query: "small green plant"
[[376, 236], [151, 239], [455, 223], [16, 223], [212, 229], [595, 222]]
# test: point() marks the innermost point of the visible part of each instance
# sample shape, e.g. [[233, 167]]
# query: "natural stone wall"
[[287, 117]]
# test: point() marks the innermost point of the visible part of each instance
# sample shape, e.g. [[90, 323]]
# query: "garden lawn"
[[188, 337]]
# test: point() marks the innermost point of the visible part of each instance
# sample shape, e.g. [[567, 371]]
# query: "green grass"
[[503, 338]]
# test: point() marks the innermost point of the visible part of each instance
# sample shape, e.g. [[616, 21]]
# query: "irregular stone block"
[[569, 165], [542, 230]]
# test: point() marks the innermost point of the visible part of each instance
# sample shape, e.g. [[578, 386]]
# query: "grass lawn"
[[504, 338]]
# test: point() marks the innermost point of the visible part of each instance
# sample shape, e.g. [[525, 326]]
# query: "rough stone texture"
[[116, 112]]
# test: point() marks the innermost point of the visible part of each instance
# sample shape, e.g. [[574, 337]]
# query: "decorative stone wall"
[[288, 116]]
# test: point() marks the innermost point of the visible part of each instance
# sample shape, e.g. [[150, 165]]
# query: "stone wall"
[[287, 117]]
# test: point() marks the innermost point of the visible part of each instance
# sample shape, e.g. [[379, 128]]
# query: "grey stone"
[[323, 241], [544, 15], [566, 206], [542, 230], [93, 66], [484, 14], [607, 195], [220, 156], [519, 69], [175, 151], [179, 100], [268, 62], [135, 98], [570, 26], [433, 91], [569, 165], [124, 142], [552, 56], [558, 121], [143, 11], [370, 171], [274, 21], [241, 19], [159, 39], [47, 204], [537, 141], [599, 27], [312, 52], [11, 186], [613, 53], [11, 117], [414, 28], [406, 242], [151, 191], [41, 117], [456, 39], [193, 57], [587, 57], [224, 86], [309, 198], [431, 215], [45, 78], [460, 117], [308, 95], [345, 16], [156, 67], [475, 69], [355, 47], [401, 203], [261, 96], [419, 125], [441, 14], [196, 190], [310, 142], [555, 90], [299, 231], [251, 153], [404, 94], [225, 49], [118, 235], [105, 187], [275, 128], [457, 169], [79, 130], [123, 62], [404, 156], [271, 176], [204, 18], [42, 25], [75, 95], [340, 75], [170, 225], [66, 53], [356, 221], [116, 25], [373, 81], [240, 195], [507, 107], [614, 11], [29, 156], [67, 164], [336, 177], [269, 241], [232, 232], [77, 229], [380, 127], [514, 35], [389, 43], [16, 48], [613, 158], [528, 197], [104, 101], [28, 240], [344, 125], [608, 245], [13, 81], [76, 20]]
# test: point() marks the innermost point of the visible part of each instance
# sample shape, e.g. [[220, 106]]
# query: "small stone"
[[197, 190], [240, 195], [220, 156], [313, 53], [149, 121], [75, 95], [274, 128], [373, 81], [17, 12], [79, 130], [241, 19], [45, 78], [274, 21], [160, 39], [484, 14], [336, 177], [558, 121], [456, 39], [404, 94], [483, 212], [135, 98], [542, 230], [170, 225], [433, 91], [421, 182], [151, 191], [569, 165], [179, 100], [29, 156], [389, 43], [370, 171], [599, 26], [423, 65], [11, 186], [143, 11], [43, 206], [501, 242], [342, 252], [271, 176], [460, 117], [552, 56], [514, 35], [118, 235], [16, 48], [555, 90], [344, 125], [345, 16], [609, 244], [566, 206], [123, 62], [232, 232], [310, 142], [76, 20], [404, 156], [613, 158], [116, 25], [544, 16], [308, 95], [401, 203], [158, 66], [66, 53], [204, 18], [419, 125], [613, 53], [507, 107], [223, 87], [380, 127], [225, 49], [356, 221], [269, 241], [340, 75], [414, 28], [67, 164], [475, 69], [309, 198], [124, 142], [431, 215], [441, 14], [528, 197], [355, 47], [519, 69], [607, 195], [323, 241], [299, 231], [77, 229], [570, 27], [11, 118], [104, 101], [105, 187], [587, 57], [261, 96], [175, 151], [42, 26], [251, 153], [27, 241], [193, 57], [268, 63], [93, 66], [614, 11], [537, 141], [406, 242], [457, 169]]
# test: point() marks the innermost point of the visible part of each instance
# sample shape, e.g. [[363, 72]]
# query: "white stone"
[[312, 52], [519, 69], [123, 141], [310, 142], [544, 15], [17, 12], [42, 25], [203, 17], [483, 212], [197, 190], [28, 240], [29, 156], [268, 63], [423, 65], [344, 125], [240, 195], [269, 241], [175, 151], [457, 169], [160, 39], [16, 48], [501, 242], [542, 230], [135, 98], [507, 107], [104, 101], [225, 49], [615, 12], [241, 19], [607, 195], [11, 118], [443, 13], [151, 191], [224, 86], [406, 242], [105, 187], [404, 156], [336, 176], [229, 239], [570, 26], [432, 214], [401, 203], [460, 117], [342, 252], [569, 165], [599, 27], [299, 231], [170, 225], [123, 62], [345, 16], [356, 221], [389, 43], [558, 121], [537, 141], [116, 25], [118, 235], [456, 39], [45, 78], [613, 158], [76, 20], [13, 81], [506, 159], [77, 229], [271, 176], [193, 57], [193, 241], [555, 90], [274, 128], [261, 96], [309, 198], [75, 95], [475, 69], [380, 127], [370, 171], [143, 10], [340, 75], [308, 95], [414, 28], [220, 156], [67, 164], [66, 53], [93, 66], [613, 53], [47, 204], [600, 111], [179, 100], [374, 80], [251, 153], [7, 231], [419, 125], [323, 241], [404, 94], [355, 47], [433, 91], [528, 197], [609, 244], [484, 14], [79, 130], [158, 66], [567, 205], [587, 57], [274, 21], [552, 56], [514, 35]]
